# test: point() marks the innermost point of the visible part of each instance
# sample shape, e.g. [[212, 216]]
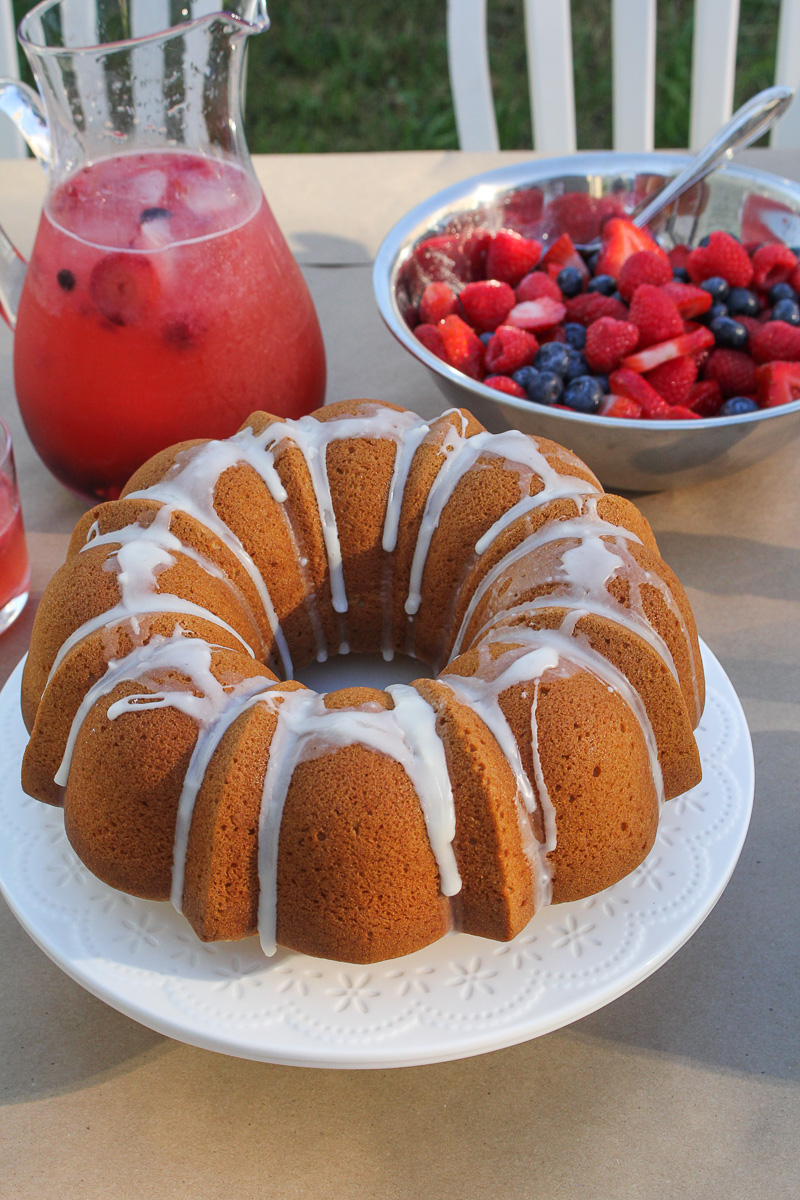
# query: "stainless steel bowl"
[[631, 455]]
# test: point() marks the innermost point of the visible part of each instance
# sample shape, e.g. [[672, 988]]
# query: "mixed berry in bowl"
[[625, 330]]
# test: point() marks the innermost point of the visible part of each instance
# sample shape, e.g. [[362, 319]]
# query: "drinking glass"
[[14, 569]]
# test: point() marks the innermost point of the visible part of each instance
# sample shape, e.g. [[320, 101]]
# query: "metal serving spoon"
[[746, 125]]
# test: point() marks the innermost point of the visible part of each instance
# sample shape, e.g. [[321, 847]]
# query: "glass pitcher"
[[161, 301]]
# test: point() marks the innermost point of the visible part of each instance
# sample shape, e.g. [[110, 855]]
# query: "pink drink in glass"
[[161, 303], [14, 568]]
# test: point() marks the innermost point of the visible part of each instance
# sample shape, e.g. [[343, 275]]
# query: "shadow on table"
[[751, 567]]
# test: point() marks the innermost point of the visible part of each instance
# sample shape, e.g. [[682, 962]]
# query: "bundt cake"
[[362, 824]]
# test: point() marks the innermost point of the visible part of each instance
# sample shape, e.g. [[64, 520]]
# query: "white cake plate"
[[462, 996]]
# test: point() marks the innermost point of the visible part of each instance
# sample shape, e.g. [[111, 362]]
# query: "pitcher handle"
[[21, 104]]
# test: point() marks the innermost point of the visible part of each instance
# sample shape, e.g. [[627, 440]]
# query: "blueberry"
[[788, 311], [737, 405], [604, 384], [729, 333], [575, 335], [781, 291], [584, 395], [616, 296], [486, 338], [66, 280], [717, 288], [716, 310], [570, 280], [153, 214], [590, 257], [525, 376], [553, 356], [742, 302], [578, 365], [680, 274], [546, 388], [604, 284], [704, 240]]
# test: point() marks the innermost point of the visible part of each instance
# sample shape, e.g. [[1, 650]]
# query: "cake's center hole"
[[362, 670]]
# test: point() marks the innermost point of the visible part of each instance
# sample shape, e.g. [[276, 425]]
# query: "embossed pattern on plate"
[[461, 996]]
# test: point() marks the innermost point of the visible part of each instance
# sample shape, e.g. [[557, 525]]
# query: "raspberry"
[[510, 349], [674, 379], [463, 349], [722, 256], [691, 301], [431, 338], [486, 304], [501, 383], [536, 285], [608, 341], [621, 239], [511, 256], [643, 267], [627, 383], [655, 314], [751, 324], [591, 306], [123, 287], [556, 334], [775, 340], [773, 263], [438, 301], [734, 371], [536, 314], [705, 398], [678, 255], [574, 213], [678, 413]]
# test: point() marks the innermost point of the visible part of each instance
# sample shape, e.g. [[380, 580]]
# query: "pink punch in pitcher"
[[161, 301]]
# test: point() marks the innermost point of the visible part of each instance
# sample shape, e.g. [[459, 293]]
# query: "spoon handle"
[[746, 125]]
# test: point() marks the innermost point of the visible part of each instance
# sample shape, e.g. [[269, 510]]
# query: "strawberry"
[[691, 301], [775, 340], [778, 383], [643, 267], [677, 412], [705, 398], [619, 406], [463, 349], [608, 341], [655, 314], [501, 383], [431, 338], [510, 349], [664, 352], [794, 279], [722, 256], [734, 371], [438, 301], [624, 382], [538, 284], [486, 304], [536, 314], [510, 256], [123, 287], [590, 306], [674, 379], [772, 263], [562, 254], [447, 257], [621, 238]]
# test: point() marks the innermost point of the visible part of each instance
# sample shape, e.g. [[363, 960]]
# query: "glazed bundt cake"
[[362, 824]]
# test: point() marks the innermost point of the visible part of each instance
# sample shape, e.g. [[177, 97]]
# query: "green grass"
[[324, 79]]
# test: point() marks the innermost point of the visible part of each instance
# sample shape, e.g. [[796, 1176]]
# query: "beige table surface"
[[686, 1087]]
